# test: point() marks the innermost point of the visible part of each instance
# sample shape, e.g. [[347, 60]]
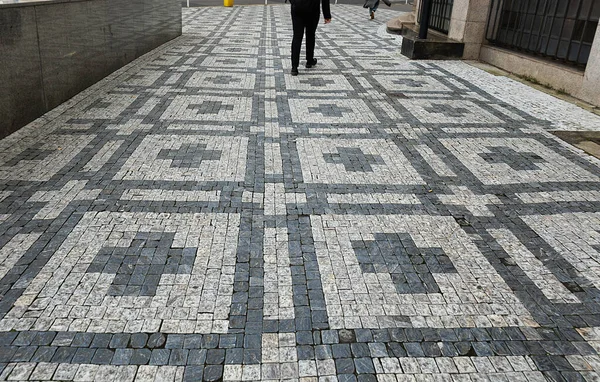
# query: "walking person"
[[305, 16], [373, 5]]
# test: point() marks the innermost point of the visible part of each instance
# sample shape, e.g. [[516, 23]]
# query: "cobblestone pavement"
[[202, 215]]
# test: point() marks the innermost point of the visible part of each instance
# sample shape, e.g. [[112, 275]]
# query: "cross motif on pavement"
[[382, 63], [353, 159], [209, 107], [514, 159], [447, 110], [411, 268], [329, 110], [228, 61], [139, 267], [409, 82], [316, 81], [223, 80], [189, 155]]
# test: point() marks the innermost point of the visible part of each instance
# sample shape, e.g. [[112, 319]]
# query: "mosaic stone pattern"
[[201, 215]]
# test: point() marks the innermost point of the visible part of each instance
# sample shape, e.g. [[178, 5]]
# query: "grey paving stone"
[[161, 357], [197, 357], [376, 215], [213, 372], [156, 340], [122, 356], [193, 373], [140, 356], [102, 357], [138, 340], [179, 357]]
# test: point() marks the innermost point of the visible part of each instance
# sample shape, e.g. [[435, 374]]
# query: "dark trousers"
[[300, 22]]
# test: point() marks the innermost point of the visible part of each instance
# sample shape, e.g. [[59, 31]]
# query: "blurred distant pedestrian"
[[373, 5], [305, 16]]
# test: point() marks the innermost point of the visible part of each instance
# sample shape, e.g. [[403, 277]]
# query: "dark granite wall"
[[50, 51]]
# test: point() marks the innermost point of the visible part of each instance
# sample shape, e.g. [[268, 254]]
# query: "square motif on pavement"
[[385, 63], [187, 158], [410, 83], [221, 80], [318, 82], [110, 106], [354, 161], [330, 111], [515, 160], [576, 237], [209, 108], [418, 271], [137, 272], [40, 161], [230, 62], [229, 50], [449, 111]]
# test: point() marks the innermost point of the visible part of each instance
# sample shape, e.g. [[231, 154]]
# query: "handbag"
[[387, 2]]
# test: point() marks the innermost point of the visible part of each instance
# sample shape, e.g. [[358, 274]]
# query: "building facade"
[[554, 42]]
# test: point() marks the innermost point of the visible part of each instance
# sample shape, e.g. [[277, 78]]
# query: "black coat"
[[311, 7]]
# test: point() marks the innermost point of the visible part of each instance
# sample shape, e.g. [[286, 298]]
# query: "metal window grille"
[[559, 29], [441, 10]]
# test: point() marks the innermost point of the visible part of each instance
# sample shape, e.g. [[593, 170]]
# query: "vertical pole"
[[425, 13], [188, 3]]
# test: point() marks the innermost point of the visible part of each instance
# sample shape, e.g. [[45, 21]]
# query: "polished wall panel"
[[21, 92], [51, 51]]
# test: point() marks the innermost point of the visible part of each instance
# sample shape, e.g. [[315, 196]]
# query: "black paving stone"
[[83, 355], [156, 340], [83, 339], [161, 357], [46, 338], [122, 356], [64, 355], [213, 373], [138, 340], [43, 354], [6, 353], [364, 366], [101, 340], [366, 378], [24, 354], [197, 357], [179, 357], [141, 356], [235, 356], [344, 366], [120, 340], [341, 351], [102, 357], [193, 373]]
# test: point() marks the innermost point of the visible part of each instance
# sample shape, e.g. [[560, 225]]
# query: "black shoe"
[[294, 71], [311, 64]]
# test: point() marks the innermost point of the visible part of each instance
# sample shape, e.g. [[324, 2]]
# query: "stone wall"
[[52, 50]]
